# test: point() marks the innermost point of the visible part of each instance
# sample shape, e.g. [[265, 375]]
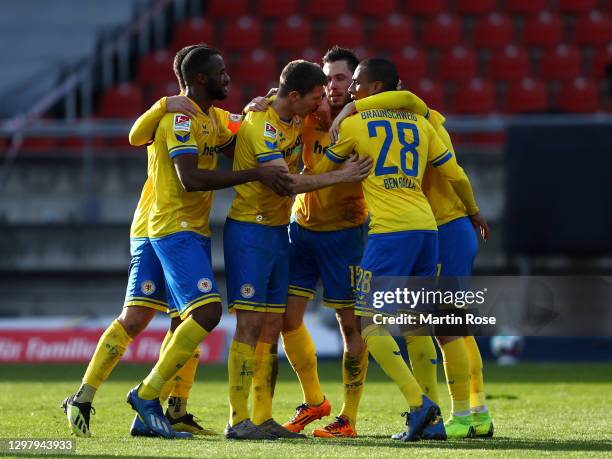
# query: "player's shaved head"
[[338, 53], [301, 76], [178, 61], [383, 70]]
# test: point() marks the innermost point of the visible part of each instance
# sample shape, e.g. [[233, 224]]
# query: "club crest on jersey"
[[182, 123], [247, 291], [205, 285], [148, 287], [270, 131], [235, 118]]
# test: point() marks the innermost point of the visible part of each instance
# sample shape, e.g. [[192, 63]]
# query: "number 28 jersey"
[[400, 144]]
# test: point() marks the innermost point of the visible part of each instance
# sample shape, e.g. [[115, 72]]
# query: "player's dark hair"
[[383, 70], [197, 61], [338, 53], [301, 76], [179, 57]]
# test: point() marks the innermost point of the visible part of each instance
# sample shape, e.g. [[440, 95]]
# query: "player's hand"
[[272, 92], [348, 110], [180, 104], [356, 168], [480, 225], [258, 104], [277, 178], [399, 85], [323, 114]]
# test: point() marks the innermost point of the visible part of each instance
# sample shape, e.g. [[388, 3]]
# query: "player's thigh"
[[146, 288], [303, 269], [250, 259], [186, 262], [278, 284], [425, 262], [339, 256], [458, 246]]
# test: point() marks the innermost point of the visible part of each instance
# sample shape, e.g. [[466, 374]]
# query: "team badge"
[[235, 118], [205, 285], [247, 291], [270, 131], [148, 287], [182, 123]]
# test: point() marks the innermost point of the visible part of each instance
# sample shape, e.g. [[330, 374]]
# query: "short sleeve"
[[264, 139], [180, 136]]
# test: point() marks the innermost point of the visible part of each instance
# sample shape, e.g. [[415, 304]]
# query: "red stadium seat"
[[475, 6], [392, 33], [242, 34], [429, 8], [363, 52], [458, 64], [155, 68], [526, 96], [602, 62], [294, 33], [526, 7], [577, 6], [344, 31], [257, 67], [327, 8], [377, 8], [511, 63], [194, 31], [432, 93], [560, 63], [123, 101], [443, 31], [227, 8], [578, 96], [309, 54], [277, 8], [545, 29], [475, 97], [411, 65], [594, 29], [493, 31]]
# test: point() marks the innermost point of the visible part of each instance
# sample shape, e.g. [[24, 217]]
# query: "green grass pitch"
[[539, 410]]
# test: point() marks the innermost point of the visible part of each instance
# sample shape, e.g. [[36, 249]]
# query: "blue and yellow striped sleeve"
[[180, 135], [441, 159], [268, 156]]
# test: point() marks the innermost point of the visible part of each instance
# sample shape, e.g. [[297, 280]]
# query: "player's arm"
[[445, 161], [143, 130], [391, 100]]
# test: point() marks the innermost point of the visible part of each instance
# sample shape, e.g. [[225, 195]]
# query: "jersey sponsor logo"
[[247, 291], [182, 138], [182, 123], [270, 131], [205, 285], [148, 287]]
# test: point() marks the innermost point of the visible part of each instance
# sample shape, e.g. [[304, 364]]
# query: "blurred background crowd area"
[[76, 74]]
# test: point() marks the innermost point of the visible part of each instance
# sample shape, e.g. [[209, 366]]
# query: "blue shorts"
[[394, 255], [256, 266], [146, 285], [457, 247], [186, 261], [331, 255]]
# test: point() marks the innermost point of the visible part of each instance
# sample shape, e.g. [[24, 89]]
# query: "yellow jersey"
[[173, 209], [329, 209], [263, 137], [141, 133], [401, 144], [445, 203]]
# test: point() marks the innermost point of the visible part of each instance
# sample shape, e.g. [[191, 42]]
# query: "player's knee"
[[208, 316], [174, 323], [134, 319]]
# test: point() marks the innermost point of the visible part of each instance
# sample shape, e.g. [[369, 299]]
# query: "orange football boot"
[[341, 427], [305, 414]]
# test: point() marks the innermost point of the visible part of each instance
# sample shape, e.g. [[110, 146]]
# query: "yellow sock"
[[186, 375], [111, 346], [477, 393], [354, 371], [240, 374], [187, 337], [385, 351], [264, 379], [302, 355], [456, 368], [169, 385], [424, 359]]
